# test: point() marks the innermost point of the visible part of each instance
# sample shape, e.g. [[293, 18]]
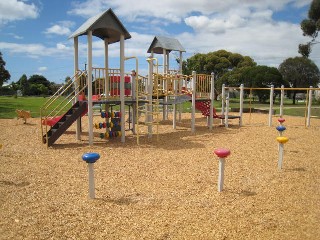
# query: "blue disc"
[[90, 157], [281, 128]]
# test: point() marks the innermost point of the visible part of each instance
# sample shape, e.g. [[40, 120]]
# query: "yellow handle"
[[282, 139]]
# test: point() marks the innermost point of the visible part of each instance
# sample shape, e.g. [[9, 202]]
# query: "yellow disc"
[[282, 139], [96, 125], [119, 133], [111, 124]]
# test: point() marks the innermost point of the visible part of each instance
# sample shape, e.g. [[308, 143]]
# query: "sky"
[[34, 34]]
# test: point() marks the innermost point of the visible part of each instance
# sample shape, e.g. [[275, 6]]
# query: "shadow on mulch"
[[11, 183], [180, 138], [298, 169]]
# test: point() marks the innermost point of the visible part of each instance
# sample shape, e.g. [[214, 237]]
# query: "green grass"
[[297, 109], [301, 112], [8, 105]]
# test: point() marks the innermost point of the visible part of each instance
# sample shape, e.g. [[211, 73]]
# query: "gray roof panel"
[[103, 25], [170, 44]]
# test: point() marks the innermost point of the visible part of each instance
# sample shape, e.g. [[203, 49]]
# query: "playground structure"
[[128, 95], [113, 87]]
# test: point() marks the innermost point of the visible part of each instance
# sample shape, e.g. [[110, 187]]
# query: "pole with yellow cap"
[[281, 140]]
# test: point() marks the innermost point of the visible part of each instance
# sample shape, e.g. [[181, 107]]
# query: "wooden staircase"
[[76, 111]]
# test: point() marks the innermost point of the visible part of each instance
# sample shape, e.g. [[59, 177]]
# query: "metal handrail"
[[46, 112]]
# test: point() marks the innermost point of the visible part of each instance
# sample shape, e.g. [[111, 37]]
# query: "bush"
[[6, 91]]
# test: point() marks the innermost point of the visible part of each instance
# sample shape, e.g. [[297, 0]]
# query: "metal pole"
[[90, 112], [280, 156], [76, 82], [193, 112], [227, 110], [91, 180], [221, 174], [149, 97], [309, 107], [106, 66], [281, 100], [211, 102], [223, 93], [241, 104], [271, 105]]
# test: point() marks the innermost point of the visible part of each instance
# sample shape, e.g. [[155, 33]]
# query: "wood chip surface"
[[164, 188]]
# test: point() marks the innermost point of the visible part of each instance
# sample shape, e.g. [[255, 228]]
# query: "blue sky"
[[34, 33]]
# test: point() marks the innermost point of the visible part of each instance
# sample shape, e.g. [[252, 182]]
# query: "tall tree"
[[311, 28], [262, 77], [4, 74], [218, 62], [38, 84], [300, 72], [38, 79], [23, 84]]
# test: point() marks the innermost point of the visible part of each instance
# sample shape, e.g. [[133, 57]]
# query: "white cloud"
[[301, 3], [175, 11], [61, 28], [243, 26], [15, 36], [268, 43], [61, 46], [136, 46], [34, 50], [58, 30], [11, 10], [42, 69]]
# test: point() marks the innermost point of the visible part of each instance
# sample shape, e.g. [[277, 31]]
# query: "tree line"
[[233, 69], [35, 85]]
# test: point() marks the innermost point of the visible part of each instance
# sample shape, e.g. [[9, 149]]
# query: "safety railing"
[[61, 100]]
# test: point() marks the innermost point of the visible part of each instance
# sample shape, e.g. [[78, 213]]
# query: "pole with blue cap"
[[91, 158]]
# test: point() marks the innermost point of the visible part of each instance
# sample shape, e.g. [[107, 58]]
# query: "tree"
[[310, 27], [262, 77], [38, 79], [218, 62], [300, 72], [54, 87], [4, 74], [23, 84], [38, 84], [232, 78]]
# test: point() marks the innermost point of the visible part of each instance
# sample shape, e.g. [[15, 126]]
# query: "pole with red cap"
[[222, 153]]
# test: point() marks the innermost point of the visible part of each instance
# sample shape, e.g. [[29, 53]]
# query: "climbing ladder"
[[63, 108], [147, 105], [77, 110]]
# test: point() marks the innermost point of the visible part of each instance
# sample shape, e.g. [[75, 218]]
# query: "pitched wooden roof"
[[103, 25], [159, 43]]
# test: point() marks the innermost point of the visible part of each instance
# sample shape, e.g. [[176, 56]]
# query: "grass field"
[[8, 105]]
